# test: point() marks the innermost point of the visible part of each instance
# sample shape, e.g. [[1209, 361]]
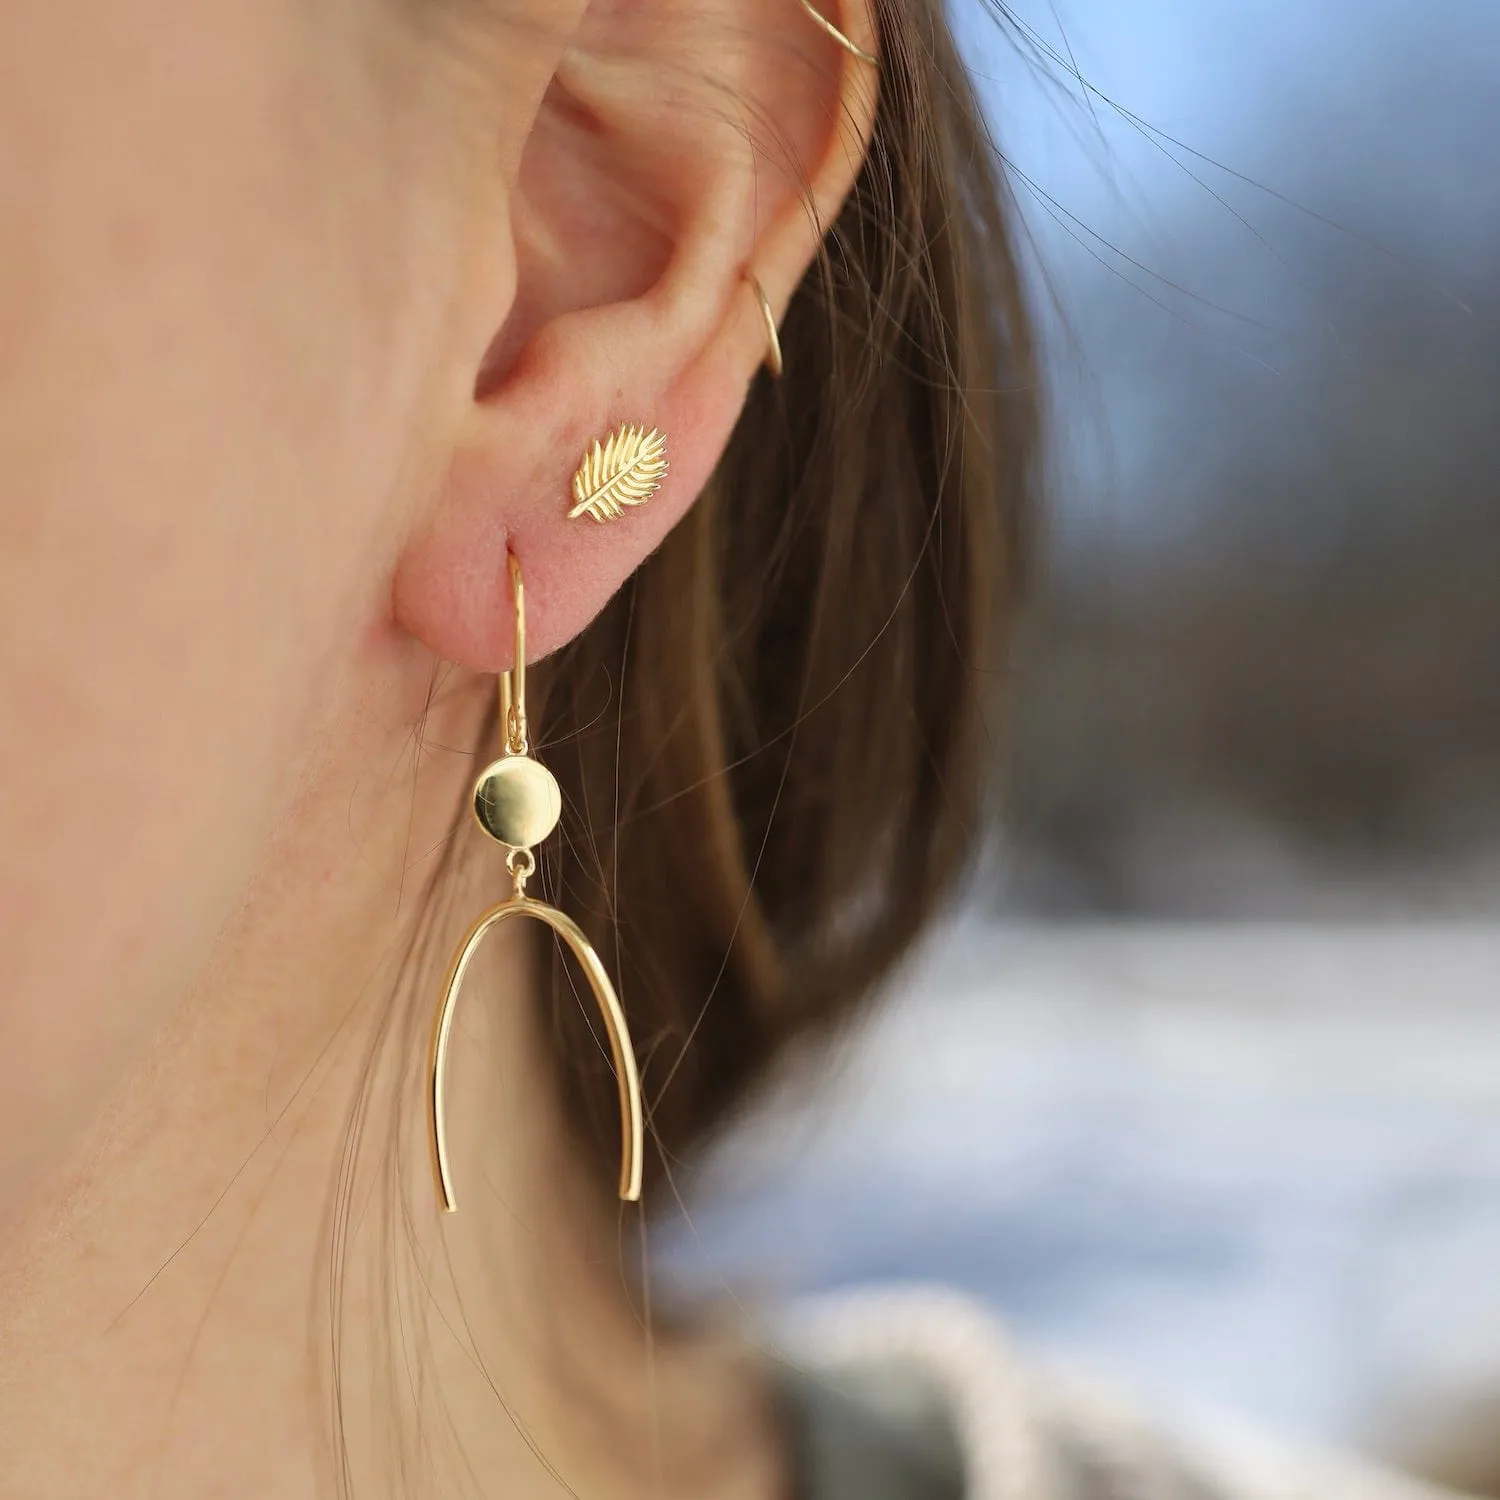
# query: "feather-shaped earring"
[[624, 469]]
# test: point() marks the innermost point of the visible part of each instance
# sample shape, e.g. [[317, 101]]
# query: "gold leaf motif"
[[625, 469]]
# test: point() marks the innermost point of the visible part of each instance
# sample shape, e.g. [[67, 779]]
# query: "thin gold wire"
[[773, 361], [521, 864], [819, 19], [513, 727], [632, 1119]]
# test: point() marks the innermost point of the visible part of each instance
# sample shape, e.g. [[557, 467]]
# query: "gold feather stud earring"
[[517, 803], [622, 470]]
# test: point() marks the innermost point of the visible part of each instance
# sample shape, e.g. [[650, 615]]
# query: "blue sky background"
[[1383, 115]]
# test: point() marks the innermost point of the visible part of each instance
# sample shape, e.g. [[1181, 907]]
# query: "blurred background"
[[1202, 1089]]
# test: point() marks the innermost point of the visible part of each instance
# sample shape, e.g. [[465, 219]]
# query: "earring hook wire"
[[513, 683]]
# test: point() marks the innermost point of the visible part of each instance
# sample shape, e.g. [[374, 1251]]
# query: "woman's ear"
[[679, 147]]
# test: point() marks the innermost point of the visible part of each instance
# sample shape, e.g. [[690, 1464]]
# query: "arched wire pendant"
[[517, 803]]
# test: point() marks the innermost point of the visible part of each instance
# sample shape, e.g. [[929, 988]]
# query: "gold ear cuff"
[[619, 471], [820, 20], [773, 361]]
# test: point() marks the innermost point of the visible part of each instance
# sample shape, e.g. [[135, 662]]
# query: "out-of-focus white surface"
[[1247, 1168]]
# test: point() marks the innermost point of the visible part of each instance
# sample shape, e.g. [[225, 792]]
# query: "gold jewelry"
[[819, 19], [517, 803], [773, 361], [625, 469]]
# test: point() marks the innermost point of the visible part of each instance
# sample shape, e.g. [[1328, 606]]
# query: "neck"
[[242, 1285]]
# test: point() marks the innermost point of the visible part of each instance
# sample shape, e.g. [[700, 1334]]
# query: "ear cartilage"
[[619, 471]]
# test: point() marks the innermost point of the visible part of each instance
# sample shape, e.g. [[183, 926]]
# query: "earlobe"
[[668, 175]]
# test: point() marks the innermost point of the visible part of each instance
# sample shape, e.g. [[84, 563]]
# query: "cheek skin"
[[207, 384]]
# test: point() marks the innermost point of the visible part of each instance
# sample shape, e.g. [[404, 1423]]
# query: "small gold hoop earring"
[[773, 361], [517, 803], [822, 21]]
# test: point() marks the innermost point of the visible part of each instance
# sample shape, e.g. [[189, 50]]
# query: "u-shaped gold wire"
[[824, 24], [514, 733], [632, 1123]]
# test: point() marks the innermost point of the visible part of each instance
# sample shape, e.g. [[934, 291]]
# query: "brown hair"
[[773, 744]]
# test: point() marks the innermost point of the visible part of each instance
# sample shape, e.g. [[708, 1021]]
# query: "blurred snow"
[[1246, 1168]]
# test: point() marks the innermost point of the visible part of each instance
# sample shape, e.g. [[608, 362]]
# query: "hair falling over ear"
[[774, 744]]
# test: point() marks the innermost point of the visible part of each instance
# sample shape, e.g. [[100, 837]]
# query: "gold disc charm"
[[517, 801]]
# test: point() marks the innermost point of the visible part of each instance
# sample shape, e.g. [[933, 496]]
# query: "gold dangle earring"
[[517, 803]]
